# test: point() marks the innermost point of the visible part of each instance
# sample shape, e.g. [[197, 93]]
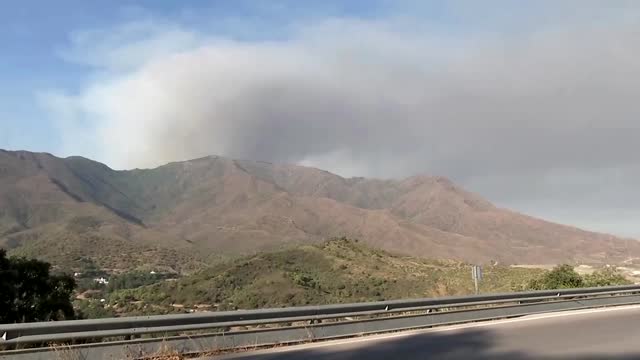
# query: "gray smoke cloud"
[[545, 120]]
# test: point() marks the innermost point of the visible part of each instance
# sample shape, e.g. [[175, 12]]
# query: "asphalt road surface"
[[612, 333]]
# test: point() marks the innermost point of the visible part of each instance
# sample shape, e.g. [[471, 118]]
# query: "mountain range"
[[74, 210]]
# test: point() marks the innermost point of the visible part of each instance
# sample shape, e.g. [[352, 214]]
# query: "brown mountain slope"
[[49, 211], [218, 206]]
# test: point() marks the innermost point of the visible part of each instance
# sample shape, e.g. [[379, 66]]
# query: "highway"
[[611, 333]]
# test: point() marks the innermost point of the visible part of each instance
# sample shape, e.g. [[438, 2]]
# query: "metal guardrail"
[[288, 325]]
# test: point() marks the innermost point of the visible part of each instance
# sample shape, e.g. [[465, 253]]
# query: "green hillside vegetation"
[[135, 279], [565, 277], [80, 242], [338, 271]]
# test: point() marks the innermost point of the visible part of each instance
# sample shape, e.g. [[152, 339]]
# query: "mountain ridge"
[[219, 206]]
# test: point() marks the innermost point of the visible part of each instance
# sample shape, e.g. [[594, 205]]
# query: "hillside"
[[218, 207], [338, 271]]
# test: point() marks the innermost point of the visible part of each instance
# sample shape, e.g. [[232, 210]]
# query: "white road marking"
[[444, 328]]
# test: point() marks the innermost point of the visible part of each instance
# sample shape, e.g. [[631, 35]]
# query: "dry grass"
[[65, 352], [169, 355], [165, 352]]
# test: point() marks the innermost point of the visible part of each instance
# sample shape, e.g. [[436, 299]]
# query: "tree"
[[561, 277], [134, 279], [29, 292]]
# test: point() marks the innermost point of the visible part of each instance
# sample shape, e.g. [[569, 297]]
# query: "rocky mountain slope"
[[215, 206]]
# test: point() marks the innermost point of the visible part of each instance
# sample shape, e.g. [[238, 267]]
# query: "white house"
[[101, 280]]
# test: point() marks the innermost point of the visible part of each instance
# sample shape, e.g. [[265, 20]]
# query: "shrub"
[[609, 276], [561, 277], [564, 277]]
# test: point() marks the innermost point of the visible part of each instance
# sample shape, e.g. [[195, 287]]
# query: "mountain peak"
[[214, 204]]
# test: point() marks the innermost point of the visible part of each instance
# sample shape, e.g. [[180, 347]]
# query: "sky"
[[532, 104]]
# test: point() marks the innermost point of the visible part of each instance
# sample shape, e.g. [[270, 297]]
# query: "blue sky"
[[33, 33], [533, 104]]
